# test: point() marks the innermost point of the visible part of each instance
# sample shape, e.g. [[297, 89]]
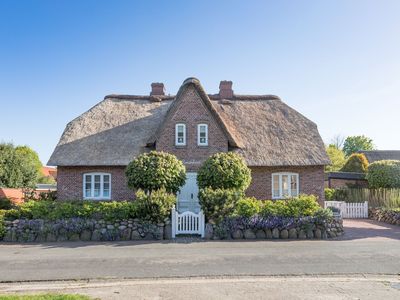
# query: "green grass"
[[44, 297]]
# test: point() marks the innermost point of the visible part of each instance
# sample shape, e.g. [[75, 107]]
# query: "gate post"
[[173, 221], [201, 223]]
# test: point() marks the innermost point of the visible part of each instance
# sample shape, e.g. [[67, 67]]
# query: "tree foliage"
[[337, 158], [357, 163], [356, 143], [224, 171], [19, 166], [156, 170], [384, 174]]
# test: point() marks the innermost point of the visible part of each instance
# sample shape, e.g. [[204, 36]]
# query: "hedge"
[[384, 174]]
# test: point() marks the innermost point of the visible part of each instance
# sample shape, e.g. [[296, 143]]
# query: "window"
[[97, 186], [285, 185], [180, 134], [202, 135]]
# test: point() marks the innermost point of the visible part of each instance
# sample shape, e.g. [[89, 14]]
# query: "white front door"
[[188, 196]]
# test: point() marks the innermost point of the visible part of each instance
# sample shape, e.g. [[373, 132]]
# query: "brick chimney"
[[225, 89], [157, 89]]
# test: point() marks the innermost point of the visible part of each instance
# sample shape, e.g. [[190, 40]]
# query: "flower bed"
[[387, 215], [275, 228], [75, 229]]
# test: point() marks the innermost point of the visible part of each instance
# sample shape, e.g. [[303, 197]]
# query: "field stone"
[[96, 235], [292, 233], [237, 234], [208, 231], [249, 234], [86, 235], [125, 234], [275, 233], [310, 234], [268, 233], [260, 234], [318, 233], [168, 232], [135, 235], [302, 234], [74, 237], [284, 234], [51, 237]]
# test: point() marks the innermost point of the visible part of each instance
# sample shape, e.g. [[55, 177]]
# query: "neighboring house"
[[49, 172], [375, 155], [337, 180], [282, 147]]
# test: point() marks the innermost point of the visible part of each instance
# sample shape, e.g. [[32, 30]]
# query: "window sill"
[[96, 199]]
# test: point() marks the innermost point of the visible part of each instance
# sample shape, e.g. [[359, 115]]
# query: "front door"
[[188, 199]]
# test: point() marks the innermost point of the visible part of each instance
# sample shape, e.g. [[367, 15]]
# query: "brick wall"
[[336, 183], [70, 182], [311, 181], [192, 111]]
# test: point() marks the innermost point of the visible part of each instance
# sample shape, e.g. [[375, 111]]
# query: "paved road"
[[377, 252]]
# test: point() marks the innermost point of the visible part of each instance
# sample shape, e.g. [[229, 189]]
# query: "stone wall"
[[385, 215], [313, 231], [80, 230]]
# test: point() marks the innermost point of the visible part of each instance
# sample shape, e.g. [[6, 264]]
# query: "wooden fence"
[[389, 198]]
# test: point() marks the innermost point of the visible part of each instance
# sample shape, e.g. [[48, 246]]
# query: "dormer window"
[[202, 135], [180, 134]]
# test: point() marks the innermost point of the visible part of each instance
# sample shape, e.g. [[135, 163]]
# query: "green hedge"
[[384, 174], [154, 207], [301, 206], [357, 163]]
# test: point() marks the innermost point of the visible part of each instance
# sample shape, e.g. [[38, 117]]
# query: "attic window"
[[180, 134], [97, 186], [202, 135], [285, 185]]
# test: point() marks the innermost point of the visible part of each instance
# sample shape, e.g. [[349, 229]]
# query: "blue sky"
[[337, 62]]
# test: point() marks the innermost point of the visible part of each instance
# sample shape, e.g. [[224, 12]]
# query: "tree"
[[337, 141], [384, 174], [224, 171], [156, 170], [356, 143], [19, 166], [337, 158], [357, 163]]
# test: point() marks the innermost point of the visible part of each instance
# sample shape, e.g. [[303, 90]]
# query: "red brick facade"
[[311, 181], [70, 182], [192, 111]]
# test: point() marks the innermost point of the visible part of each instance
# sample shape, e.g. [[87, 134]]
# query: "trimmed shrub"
[[301, 206], [154, 207], [329, 194], [5, 203], [156, 170], [218, 203], [224, 171], [384, 174], [248, 207], [356, 163]]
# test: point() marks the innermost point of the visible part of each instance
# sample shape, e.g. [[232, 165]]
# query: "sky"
[[336, 62]]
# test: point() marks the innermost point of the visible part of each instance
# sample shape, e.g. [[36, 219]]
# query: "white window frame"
[[101, 197], [289, 174], [198, 135], [176, 134]]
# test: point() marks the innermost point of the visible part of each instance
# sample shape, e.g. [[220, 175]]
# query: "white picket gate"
[[187, 223], [350, 210]]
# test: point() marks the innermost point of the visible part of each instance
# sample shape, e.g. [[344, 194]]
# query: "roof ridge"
[[172, 97]]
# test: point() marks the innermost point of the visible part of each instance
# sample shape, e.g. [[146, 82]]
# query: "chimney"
[[157, 89], [225, 89]]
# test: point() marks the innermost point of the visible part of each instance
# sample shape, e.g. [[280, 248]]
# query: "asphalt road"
[[377, 252]]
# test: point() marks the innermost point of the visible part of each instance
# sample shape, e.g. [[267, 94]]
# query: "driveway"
[[368, 247]]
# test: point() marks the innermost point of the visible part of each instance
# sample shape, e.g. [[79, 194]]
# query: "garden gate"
[[357, 210], [187, 223]]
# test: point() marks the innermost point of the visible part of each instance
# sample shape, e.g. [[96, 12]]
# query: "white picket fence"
[[187, 223], [350, 210]]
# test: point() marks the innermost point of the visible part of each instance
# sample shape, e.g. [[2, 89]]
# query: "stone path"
[[369, 229]]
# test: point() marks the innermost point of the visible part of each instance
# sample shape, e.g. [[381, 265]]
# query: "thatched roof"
[[263, 129], [375, 155]]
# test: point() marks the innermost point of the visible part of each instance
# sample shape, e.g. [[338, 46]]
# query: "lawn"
[[44, 297]]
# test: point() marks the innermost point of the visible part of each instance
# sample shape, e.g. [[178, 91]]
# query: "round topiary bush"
[[356, 163], [384, 174], [156, 170], [224, 171]]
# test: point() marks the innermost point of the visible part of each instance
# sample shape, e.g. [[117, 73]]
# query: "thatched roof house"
[[375, 155], [262, 128]]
